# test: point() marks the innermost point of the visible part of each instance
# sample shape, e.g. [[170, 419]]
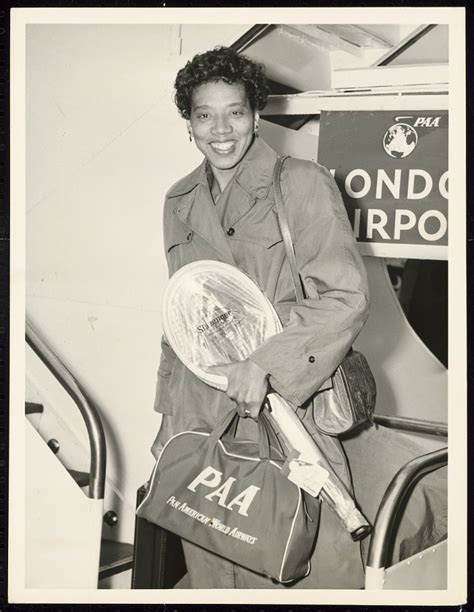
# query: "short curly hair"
[[220, 64]]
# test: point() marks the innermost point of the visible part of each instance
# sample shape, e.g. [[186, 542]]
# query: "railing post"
[[391, 507], [89, 413]]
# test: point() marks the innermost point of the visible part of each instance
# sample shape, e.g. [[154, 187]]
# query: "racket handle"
[[333, 492]]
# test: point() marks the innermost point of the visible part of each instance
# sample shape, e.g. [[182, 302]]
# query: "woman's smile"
[[223, 148]]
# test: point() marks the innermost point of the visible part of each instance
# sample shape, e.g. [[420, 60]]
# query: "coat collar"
[[254, 173], [253, 178]]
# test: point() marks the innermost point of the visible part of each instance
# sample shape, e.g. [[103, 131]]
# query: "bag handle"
[[285, 228], [263, 439], [223, 425], [265, 432], [272, 434], [267, 437]]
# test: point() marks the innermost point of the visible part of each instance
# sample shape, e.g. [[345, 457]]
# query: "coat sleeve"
[[322, 328]]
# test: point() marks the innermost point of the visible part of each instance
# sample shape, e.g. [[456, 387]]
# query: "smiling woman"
[[224, 210], [222, 125], [219, 94]]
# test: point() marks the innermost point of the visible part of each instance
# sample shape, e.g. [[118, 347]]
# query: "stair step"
[[33, 408], [115, 557], [81, 478]]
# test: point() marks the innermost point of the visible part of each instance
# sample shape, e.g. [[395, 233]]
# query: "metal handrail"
[[436, 428], [392, 504], [90, 415]]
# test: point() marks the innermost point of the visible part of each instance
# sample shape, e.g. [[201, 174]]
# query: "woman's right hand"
[[247, 386]]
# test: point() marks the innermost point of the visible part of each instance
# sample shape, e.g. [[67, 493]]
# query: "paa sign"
[[392, 170]]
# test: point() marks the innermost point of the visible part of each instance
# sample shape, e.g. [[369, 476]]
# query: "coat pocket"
[[259, 226], [167, 388], [178, 234]]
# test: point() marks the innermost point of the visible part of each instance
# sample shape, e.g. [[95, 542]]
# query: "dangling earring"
[[255, 130], [190, 136]]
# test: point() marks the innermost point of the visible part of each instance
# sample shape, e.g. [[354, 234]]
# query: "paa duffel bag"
[[230, 497]]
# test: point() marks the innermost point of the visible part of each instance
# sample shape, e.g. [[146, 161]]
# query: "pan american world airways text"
[[211, 522]]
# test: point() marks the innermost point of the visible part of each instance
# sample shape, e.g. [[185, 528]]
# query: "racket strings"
[[214, 318]]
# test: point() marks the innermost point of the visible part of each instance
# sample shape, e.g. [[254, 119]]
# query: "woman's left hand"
[[247, 385]]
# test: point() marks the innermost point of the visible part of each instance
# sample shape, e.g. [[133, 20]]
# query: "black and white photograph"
[[237, 250]]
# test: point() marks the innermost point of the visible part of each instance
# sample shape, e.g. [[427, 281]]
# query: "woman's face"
[[222, 123]]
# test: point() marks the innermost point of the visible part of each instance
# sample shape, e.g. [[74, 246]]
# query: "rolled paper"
[[334, 492]]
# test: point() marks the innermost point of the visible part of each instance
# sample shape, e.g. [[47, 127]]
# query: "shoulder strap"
[[285, 228]]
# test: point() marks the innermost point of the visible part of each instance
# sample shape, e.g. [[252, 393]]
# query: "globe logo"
[[400, 140]]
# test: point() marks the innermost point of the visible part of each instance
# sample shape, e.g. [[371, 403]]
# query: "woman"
[[225, 210]]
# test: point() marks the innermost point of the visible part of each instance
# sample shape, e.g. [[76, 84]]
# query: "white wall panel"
[[104, 143]]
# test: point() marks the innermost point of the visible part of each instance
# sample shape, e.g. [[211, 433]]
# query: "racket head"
[[214, 314]]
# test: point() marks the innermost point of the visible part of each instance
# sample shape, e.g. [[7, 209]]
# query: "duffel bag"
[[229, 496]]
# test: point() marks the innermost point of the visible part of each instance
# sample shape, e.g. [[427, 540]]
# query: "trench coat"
[[243, 230]]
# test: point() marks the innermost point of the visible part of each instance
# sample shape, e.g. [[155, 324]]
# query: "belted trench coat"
[[243, 230]]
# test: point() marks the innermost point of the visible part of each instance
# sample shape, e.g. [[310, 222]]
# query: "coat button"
[[230, 231], [311, 359]]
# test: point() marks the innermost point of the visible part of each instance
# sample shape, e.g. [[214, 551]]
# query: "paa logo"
[[211, 478], [400, 139]]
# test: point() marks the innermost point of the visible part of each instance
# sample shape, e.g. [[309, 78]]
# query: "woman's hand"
[[247, 385]]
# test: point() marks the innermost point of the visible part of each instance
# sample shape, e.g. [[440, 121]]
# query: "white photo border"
[[456, 592]]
